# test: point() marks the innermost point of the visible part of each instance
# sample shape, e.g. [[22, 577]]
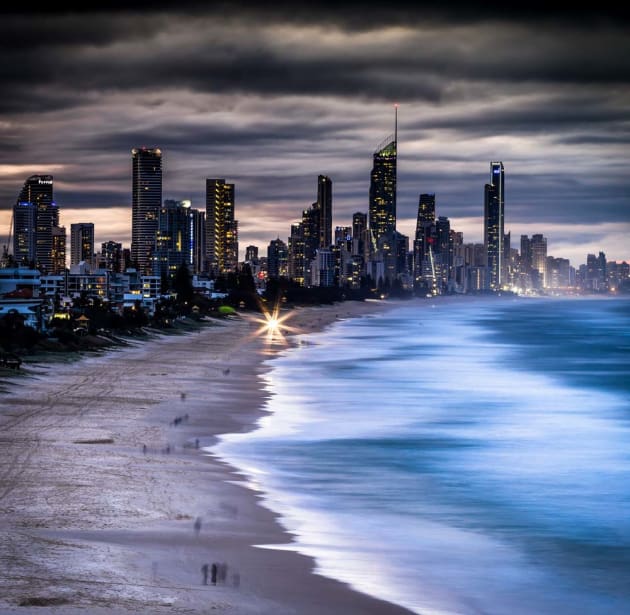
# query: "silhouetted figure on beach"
[[182, 396], [213, 576], [144, 449], [222, 572], [197, 525], [204, 572]]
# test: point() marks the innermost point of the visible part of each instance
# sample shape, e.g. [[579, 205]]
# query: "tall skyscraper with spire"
[[382, 198], [146, 200], [494, 206]]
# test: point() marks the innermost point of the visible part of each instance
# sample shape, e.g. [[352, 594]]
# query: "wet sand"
[[103, 476]]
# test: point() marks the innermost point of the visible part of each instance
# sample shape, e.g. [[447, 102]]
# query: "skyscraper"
[[539, 259], [494, 205], [221, 227], [81, 242], [146, 200], [324, 205], [277, 259], [424, 242], [174, 244], [34, 216], [58, 254], [112, 256], [251, 254], [24, 223], [382, 205], [295, 261]]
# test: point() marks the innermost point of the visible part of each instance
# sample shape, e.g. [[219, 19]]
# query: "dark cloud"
[[57, 59], [351, 13]]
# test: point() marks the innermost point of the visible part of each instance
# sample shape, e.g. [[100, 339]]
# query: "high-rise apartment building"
[[295, 264], [251, 254], [538, 247], [35, 214], [426, 210], [444, 249], [303, 245], [324, 205], [24, 222], [221, 227], [81, 243], [425, 239], [146, 200], [277, 259], [112, 256], [359, 232], [493, 238], [198, 223], [174, 244], [58, 255]]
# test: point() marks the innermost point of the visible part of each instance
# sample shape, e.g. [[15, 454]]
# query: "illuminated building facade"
[[324, 206], [58, 254], [146, 200], [35, 214], [494, 206], [81, 242], [221, 228], [174, 244], [382, 197]]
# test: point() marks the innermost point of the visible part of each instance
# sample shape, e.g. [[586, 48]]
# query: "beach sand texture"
[[94, 522]]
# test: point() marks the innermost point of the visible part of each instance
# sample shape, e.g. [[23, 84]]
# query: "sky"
[[268, 98]]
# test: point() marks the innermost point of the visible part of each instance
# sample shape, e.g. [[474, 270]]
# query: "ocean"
[[457, 456]]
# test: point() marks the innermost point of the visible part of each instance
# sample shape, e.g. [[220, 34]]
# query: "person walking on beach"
[[204, 572], [197, 525], [214, 574], [222, 572]]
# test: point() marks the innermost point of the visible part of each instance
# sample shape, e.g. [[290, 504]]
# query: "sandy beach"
[[110, 503]]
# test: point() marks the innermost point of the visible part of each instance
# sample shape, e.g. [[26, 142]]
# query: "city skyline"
[[271, 107]]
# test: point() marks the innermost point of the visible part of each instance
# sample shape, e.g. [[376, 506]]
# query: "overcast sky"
[[270, 98]]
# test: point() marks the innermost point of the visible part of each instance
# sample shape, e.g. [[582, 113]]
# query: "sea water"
[[457, 456]]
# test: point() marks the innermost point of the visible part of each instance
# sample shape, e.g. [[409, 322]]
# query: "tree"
[[182, 284]]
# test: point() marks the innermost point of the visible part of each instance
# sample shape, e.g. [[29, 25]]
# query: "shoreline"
[[92, 521]]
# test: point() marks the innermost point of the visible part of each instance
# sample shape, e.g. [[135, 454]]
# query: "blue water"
[[460, 457]]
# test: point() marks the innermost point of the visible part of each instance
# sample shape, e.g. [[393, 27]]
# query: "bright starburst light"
[[273, 325]]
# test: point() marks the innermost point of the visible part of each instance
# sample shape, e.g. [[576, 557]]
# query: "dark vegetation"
[[91, 324]]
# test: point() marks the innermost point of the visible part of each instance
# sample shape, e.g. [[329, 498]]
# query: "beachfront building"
[[221, 252], [493, 219], [146, 200]]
